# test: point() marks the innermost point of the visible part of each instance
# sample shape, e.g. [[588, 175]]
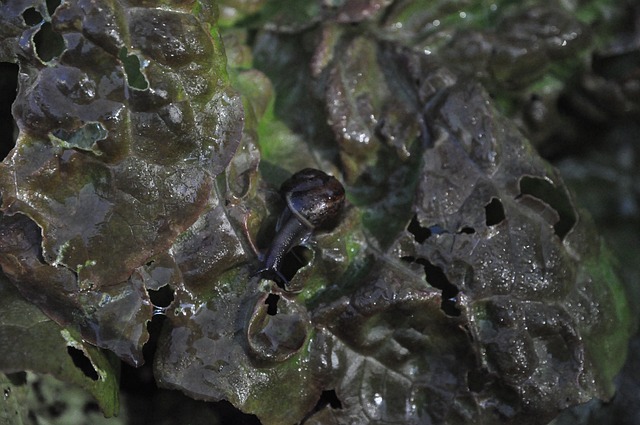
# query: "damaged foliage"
[[112, 161], [461, 284], [40, 345]]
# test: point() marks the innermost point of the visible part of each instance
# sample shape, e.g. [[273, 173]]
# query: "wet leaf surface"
[[470, 304], [38, 344], [461, 284], [113, 161]]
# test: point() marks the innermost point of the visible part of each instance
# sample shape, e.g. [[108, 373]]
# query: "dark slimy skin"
[[313, 199], [292, 234]]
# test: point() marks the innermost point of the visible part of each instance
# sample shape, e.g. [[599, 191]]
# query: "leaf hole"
[[83, 138], [52, 5], [91, 407], [467, 230], [554, 197], [82, 362], [330, 398], [420, 234], [9, 90], [162, 297], [48, 43], [228, 413], [31, 17], [298, 257], [477, 380], [17, 378], [272, 304], [494, 212], [135, 77], [327, 398], [57, 409], [436, 278]]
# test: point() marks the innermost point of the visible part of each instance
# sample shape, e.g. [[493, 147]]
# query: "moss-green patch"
[[607, 344], [131, 63]]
